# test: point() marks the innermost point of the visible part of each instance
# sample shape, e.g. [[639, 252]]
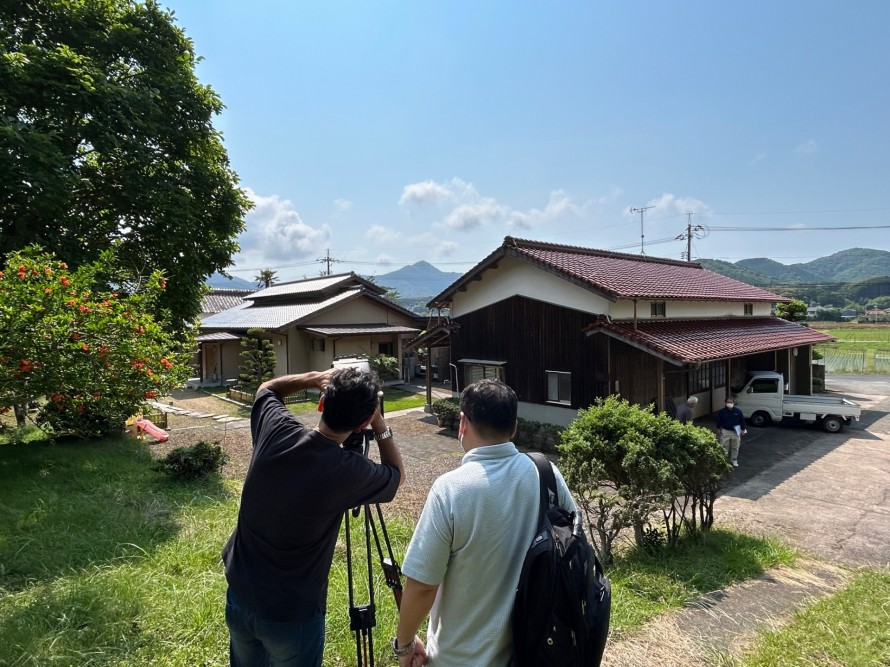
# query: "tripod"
[[362, 617]]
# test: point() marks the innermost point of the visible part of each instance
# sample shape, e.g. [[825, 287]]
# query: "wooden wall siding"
[[634, 370], [533, 337]]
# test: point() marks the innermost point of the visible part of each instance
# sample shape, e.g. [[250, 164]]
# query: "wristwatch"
[[405, 650], [384, 434]]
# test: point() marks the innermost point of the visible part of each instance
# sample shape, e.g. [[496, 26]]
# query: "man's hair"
[[692, 399], [491, 407], [350, 399]]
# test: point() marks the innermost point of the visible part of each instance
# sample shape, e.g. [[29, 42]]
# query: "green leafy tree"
[[106, 136], [266, 278], [793, 311], [386, 367], [625, 465], [257, 359], [87, 346]]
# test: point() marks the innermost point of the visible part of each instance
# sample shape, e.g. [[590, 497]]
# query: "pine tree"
[[257, 359]]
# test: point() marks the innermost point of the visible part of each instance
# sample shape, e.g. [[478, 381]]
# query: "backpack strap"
[[547, 481]]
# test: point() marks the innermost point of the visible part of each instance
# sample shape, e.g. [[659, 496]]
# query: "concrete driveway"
[[826, 493]]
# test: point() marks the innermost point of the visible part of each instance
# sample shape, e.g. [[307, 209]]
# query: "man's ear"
[[321, 403], [515, 428]]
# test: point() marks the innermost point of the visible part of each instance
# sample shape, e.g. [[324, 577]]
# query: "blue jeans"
[[254, 642]]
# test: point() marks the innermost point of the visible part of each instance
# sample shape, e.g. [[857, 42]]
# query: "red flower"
[[163, 283], [85, 347], [71, 303], [85, 309], [65, 282], [80, 407], [74, 335], [62, 265], [48, 271], [151, 394], [21, 274], [56, 398], [21, 268], [166, 364], [47, 290]]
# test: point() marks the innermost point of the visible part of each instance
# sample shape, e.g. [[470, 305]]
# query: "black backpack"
[[563, 599]]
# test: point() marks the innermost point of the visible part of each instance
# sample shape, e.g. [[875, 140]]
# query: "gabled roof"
[[220, 299], [248, 315], [698, 341], [617, 275], [438, 336], [314, 288]]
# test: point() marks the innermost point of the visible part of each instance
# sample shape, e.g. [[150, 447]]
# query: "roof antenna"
[[642, 236]]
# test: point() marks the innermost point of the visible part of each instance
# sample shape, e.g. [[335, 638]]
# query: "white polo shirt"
[[473, 533]]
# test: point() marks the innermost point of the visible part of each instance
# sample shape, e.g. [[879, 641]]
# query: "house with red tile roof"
[[310, 323], [564, 325]]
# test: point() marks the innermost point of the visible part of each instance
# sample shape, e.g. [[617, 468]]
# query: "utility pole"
[[642, 236], [698, 231], [328, 260]]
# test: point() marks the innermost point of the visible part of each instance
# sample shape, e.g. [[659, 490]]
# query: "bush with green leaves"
[[257, 359], [447, 411], [194, 461], [625, 465], [386, 367], [84, 347]]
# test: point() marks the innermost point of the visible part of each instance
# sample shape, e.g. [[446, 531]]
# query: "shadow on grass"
[[648, 583], [68, 506]]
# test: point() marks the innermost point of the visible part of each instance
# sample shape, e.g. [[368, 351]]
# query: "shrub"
[[257, 359], [447, 411], [194, 461], [537, 435], [386, 367], [625, 464]]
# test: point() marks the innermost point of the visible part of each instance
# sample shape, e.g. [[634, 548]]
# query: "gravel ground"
[[427, 450]]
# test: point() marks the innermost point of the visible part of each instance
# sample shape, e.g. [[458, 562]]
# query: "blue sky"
[[389, 132]]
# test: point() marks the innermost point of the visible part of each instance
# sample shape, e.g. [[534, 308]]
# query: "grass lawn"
[[105, 562], [850, 628]]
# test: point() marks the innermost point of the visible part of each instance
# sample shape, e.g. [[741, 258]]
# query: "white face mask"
[[729, 405]]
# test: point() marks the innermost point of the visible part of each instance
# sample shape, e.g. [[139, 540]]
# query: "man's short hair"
[[350, 399], [491, 407], [692, 399]]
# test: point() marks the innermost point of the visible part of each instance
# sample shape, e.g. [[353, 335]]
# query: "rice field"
[[860, 348]]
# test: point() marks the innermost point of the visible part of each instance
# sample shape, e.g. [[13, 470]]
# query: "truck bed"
[[835, 405]]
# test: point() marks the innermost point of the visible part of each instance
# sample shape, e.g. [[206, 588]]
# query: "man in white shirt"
[[464, 559]]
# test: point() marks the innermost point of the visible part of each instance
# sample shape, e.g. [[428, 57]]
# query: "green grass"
[[850, 628], [647, 584], [399, 399], [104, 561], [860, 348]]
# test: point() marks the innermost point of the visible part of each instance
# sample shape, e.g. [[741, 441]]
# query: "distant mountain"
[[420, 279], [853, 265], [219, 280], [783, 273], [846, 266]]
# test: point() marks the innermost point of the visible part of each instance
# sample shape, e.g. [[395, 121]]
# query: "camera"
[[356, 441]]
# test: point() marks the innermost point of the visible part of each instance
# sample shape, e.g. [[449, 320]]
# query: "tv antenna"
[[642, 235]]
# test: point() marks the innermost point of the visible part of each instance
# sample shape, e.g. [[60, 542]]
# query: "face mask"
[[729, 405]]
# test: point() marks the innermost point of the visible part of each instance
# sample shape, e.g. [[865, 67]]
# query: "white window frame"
[[656, 306]]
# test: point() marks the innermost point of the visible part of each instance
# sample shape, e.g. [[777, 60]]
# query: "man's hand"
[[416, 659]]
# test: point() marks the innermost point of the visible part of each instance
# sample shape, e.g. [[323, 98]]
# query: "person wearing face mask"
[[730, 429], [467, 550]]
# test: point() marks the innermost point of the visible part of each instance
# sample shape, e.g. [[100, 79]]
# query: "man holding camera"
[[467, 550], [299, 484]]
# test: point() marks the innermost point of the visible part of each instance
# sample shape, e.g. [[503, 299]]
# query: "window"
[[700, 378], [385, 348], [318, 344], [749, 309], [659, 309], [765, 386], [559, 387], [482, 369]]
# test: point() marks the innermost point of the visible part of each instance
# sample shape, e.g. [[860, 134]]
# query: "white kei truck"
[[762, 399]]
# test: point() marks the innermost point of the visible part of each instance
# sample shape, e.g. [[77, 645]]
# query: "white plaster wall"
[[624, 309], [547, 414], [360, 311], [298, 352], [514, 277]]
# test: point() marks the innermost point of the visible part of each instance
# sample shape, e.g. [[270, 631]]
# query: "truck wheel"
[[832, 424], [760, 419]]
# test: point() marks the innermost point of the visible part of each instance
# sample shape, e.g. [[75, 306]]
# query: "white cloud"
[[384, 260], [342, 204], [559, 207], [424, 194], [669, 204], [445, 248], [274, 232], [470, 216], [807, 148]]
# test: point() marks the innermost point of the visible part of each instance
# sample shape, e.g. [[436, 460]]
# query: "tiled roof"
[[248, 315], [312, 286], [222, 299], [438, 336], [360, 329], [217, 336], [697, 341], [621, 275]]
